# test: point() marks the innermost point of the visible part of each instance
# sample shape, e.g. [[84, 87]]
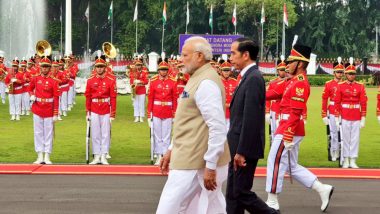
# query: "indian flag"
[[210, 19], [110, 11], [164, 14]]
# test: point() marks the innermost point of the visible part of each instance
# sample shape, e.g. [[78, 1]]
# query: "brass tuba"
[[109, 50], [43, 47]]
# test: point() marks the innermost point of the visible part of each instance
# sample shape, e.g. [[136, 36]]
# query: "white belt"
[[284, 116], [44, 100], [181, 86], [351, 105], [72, 79], [332, 103], [17, 88], [62, 86], [26, 84], [162, 103], [100, 100]]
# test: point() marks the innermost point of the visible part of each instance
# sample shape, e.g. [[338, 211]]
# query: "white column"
[[68, 47]]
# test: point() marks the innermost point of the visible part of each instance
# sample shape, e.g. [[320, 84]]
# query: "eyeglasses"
[[339, 72]]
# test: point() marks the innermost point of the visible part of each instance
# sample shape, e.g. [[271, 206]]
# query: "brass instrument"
[[180, 76], [109, 50], [133, 86], [43, 48]]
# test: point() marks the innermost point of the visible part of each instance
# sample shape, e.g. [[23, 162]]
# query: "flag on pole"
[[187, 14], [110, 11], [285, 16], [136, 12], [210, 19], [60, 17], [262, 14], [164, 14], [87, 13], [234, 20]]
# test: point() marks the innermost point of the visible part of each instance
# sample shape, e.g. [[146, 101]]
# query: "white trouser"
[[43, 134], [139, 105], [2, 91], [273, 124], [333, 133], [162, 131], [351, 138], [70, 95], [63, 101], [184, 192], [25, 101], [277, 165], [74, 92], [15, 104], [100, 133]]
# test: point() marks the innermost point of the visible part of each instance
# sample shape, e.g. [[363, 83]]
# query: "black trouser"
[[239, 196]]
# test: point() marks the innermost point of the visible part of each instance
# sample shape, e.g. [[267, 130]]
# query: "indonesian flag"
[[234, 19], [187, 14], [285, 16], [87, 13], [262, 15], [164, 14]]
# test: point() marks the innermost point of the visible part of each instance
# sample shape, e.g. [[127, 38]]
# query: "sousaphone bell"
[[43, 48], [109, 50]]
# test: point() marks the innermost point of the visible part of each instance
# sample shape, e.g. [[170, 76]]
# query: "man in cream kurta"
[[199, 154]]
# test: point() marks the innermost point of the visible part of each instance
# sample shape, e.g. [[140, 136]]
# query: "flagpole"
[[61, 48], [111, 21], [88, 29], [283, 38], [162, 42], [277, 40], [262, 42], [136, 34]]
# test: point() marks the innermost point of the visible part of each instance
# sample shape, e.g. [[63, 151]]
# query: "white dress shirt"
[[208, 99], [246, 69]]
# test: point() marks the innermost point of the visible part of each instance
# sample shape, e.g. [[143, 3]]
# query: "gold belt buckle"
[[163, 103]]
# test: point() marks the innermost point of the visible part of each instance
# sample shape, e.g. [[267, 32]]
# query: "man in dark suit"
[[246, 136]]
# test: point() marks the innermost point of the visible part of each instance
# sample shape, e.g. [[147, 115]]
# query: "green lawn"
[[131, 145]]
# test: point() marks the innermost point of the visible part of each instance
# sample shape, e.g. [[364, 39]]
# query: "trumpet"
[[109, 50]]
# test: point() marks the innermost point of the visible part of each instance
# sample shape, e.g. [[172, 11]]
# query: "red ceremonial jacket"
[[292, 106], [229, 86], [328, 95], [101, 95], [276, 86], [18, 85], [46, 90], [162, 97], [351, 101], [378, 102], [143, 77]]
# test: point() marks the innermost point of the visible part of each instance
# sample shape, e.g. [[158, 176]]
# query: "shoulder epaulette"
[[341, 82], [280, 82], [329, 81], [110, 77], [234, 79], [300, 77], [173, 78], [359, 83], [91, 76]]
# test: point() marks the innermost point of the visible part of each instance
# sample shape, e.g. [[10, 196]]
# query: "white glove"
[[136, 82], [111, 119], [88, 116], [267, 118], [288, 146], [32, 98], [362, 122], [277, 122], [304, 121], [325, 121], [55, 118], [13, 80], [378, 119], [337, 121]]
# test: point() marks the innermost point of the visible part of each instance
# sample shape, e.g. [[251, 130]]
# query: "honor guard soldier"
[[328, 107], [101, 109], [276, 87], [25, 101], [350, 111], [59, 77], [138, 81], [229, 87], [283, 155], [15, 80], [64, 87], [44, 93], [162, 104], [3, 74]]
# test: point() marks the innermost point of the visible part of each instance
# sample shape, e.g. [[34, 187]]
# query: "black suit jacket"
[[246, 135]]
